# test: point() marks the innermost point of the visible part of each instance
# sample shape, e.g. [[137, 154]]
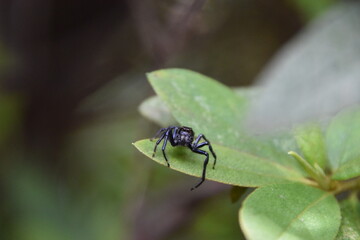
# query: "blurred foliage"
[[314, 76], [10, 112], [350, 227], [87, 202], [215, 220]]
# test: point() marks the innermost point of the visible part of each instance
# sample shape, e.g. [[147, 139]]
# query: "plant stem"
[[325, 183], [315, 172], [348, 185]]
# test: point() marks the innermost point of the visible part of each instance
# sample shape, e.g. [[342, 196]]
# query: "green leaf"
[[201, 103], [350, 222], [343, 144], [291, 212], [310, 140], [215, 110], [233, 167]]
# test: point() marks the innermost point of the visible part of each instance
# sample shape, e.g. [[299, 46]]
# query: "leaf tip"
[[152, 76], [292, 153], [135, 145]]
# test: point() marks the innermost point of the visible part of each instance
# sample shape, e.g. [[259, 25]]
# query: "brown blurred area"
[[64, 51], [72, 76]]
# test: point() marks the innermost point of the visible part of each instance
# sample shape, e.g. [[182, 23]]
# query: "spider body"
[[184, 136]]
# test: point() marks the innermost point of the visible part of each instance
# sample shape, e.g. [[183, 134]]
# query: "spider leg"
[[197, 140], [166, 137], [161, 131], [211, 150], [157, 143], [196, 150], [172, 136], [206, 143]]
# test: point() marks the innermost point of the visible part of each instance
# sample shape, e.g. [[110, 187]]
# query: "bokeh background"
[[72, 78]]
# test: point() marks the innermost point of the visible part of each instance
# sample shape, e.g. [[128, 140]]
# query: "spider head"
[[185, 136]]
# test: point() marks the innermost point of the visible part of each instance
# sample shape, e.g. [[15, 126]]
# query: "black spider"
[[184, 136]]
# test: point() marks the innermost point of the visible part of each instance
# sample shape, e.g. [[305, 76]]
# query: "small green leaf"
[[215, 110], [233, 167], [343, 144], [315, 172], [310, 140], [291, 212], [350, 222]]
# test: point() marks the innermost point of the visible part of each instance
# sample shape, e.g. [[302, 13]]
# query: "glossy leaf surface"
[[291, 212]]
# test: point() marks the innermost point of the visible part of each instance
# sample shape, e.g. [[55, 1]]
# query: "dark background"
[[72, 77]]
